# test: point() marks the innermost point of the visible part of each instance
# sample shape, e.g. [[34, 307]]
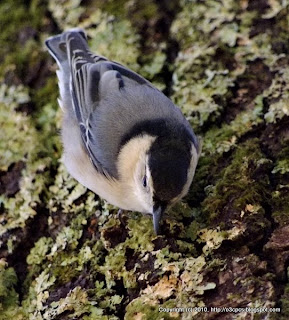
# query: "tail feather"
[[57, 45], [61, 47]]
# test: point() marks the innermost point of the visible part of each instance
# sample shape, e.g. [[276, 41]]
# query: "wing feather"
[[88, 73], [108, 99]]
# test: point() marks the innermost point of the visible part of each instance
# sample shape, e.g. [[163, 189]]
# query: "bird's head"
[[162, 174], [171, 166]]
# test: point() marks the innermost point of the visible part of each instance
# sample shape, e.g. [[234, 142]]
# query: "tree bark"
[[224, 252]]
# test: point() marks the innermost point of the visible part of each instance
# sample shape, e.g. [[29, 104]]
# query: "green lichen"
[[25, 16], [184, 283], [279, 93], [11, 143], [8, 280], [76, 301], [199, 78], [20, 142], [115, 40], [110, 36], [219, 141], [239, 181], [40, 250], [66, 13], [280, 195], [230, 78]]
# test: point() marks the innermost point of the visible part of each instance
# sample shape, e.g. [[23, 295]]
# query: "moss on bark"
[[63, 252]]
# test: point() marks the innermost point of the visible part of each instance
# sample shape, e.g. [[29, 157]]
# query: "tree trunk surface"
[[224, 251]]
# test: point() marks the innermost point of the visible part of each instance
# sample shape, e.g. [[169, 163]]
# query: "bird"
[[122, 138]]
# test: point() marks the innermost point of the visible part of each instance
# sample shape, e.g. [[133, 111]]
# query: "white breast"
[[120, 193]]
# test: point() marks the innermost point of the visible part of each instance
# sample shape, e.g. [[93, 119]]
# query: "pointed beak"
[[157, 216]]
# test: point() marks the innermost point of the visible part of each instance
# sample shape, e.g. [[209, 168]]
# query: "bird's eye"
[[144, 181]]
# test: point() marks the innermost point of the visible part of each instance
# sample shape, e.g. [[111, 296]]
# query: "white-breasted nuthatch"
[[123, 139]]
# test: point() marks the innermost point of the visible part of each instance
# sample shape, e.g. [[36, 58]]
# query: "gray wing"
[[108, 99], [94, 80], [92, 77]]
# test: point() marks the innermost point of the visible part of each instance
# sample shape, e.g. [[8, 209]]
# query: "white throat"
[[132, 167]]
